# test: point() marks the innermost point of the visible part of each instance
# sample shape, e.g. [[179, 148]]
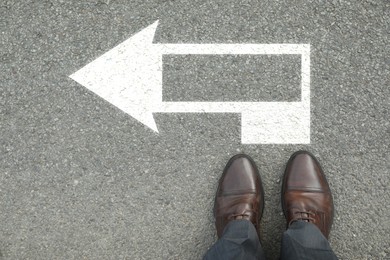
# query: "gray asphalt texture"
[[79, 179]]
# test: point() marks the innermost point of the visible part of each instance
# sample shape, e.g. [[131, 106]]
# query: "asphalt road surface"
[[80, 179]]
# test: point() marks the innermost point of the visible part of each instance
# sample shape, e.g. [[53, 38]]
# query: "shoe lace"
[[303, 216], [248, 213], [244, 215]]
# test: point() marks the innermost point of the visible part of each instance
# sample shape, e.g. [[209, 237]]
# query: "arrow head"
[[128, 76]]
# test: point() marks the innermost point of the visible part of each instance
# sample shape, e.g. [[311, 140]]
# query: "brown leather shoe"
[[240, 193], [306, 194]]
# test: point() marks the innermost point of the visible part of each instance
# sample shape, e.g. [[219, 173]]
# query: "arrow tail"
[[233, 49]]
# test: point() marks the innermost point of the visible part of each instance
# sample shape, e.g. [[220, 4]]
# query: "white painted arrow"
[[130, 77]]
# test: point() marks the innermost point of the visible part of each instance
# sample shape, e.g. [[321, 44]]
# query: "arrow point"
[[146, 35], [146, 118], [127, 76], [151, 123], [74, 76]]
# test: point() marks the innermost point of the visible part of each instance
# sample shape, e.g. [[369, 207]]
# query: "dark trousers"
[[302, 240]]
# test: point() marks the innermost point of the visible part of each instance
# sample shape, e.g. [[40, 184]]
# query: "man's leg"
[[303, 240], [239, 241], [238, 208], [308, 207]]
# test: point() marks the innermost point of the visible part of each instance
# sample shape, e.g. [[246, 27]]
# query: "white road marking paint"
[[130, 77]]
